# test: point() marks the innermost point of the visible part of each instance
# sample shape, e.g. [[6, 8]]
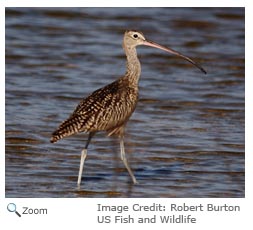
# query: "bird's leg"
[[83, 157], [123, 158]]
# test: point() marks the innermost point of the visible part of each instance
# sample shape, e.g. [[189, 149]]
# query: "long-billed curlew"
[[109, 108]]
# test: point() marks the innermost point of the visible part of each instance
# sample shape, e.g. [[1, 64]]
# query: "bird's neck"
[[133, 66]]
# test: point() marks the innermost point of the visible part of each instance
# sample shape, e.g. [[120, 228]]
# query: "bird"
[[110, 107]]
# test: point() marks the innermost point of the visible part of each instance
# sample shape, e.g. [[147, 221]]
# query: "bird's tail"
[[56, 136], [67, 128], [59, 134]]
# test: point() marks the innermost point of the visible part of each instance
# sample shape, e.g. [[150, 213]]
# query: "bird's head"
[[133, 38]]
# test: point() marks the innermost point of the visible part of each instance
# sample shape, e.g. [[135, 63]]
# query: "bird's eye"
[[135, 35]]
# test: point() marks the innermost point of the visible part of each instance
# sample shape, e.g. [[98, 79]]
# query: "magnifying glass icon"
[[11, 207]]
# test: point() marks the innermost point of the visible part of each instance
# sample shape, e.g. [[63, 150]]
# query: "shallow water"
[[186, 137]]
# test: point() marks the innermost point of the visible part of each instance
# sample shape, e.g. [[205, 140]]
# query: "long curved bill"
[[155, 45]]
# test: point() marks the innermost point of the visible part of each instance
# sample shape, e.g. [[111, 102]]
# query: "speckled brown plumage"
[[106, 109]]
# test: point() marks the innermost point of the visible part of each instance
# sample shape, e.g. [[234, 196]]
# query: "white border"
[[81, 213], [127, 3]]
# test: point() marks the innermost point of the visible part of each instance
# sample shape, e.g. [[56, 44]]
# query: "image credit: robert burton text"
[[158, 213]]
